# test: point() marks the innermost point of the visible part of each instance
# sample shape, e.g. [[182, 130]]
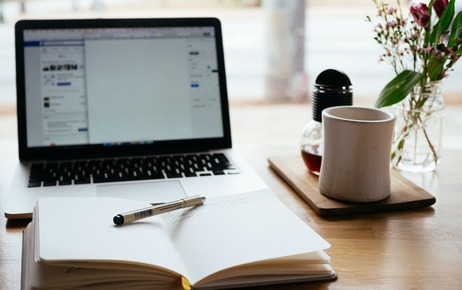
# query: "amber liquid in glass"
[[312, 161]]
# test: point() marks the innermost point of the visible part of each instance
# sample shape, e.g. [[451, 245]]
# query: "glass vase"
[[418, 131]]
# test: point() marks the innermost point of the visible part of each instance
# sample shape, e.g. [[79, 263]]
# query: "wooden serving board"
[[404, 194]]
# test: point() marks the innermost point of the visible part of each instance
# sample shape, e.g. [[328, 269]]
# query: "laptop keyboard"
[[129, 169]]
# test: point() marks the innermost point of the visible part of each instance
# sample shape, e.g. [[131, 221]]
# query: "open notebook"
[[132, 108], [247, 239]]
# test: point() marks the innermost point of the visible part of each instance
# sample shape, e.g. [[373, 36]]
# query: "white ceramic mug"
[[356, 160]]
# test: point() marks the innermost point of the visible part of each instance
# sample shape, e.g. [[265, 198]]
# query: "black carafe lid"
[[332, 88]]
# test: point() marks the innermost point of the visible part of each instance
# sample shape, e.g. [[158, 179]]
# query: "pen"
[[135, 215]]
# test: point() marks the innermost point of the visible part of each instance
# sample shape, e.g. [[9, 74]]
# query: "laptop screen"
[[151, 85]]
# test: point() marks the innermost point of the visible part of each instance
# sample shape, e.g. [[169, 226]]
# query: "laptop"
[[129, 108]]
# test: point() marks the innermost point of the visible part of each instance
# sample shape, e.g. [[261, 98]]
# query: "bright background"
[[336, 36]]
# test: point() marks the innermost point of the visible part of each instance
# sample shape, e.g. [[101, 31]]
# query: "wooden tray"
[[404, 194]]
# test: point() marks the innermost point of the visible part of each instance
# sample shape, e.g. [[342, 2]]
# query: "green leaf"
[[443, 24], [456, 30], [398, 88], [436, 68]]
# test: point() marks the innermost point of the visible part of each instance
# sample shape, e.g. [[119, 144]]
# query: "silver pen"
[[128, 217]]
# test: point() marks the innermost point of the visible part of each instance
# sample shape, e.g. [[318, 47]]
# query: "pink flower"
[[440, 6], [420, 14], [453, 54], [392, 24], [391, 10]]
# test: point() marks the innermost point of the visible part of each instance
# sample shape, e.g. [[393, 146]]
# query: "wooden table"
[[418, 249]]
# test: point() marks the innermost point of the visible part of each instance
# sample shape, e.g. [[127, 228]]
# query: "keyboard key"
[[64, 182], [204, 174], [49, 183], [34, 184]]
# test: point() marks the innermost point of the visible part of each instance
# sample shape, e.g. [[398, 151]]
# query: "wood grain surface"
[[402, 249]]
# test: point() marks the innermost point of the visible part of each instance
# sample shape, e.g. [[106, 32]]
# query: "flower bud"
[[420, 14], [439, 6]]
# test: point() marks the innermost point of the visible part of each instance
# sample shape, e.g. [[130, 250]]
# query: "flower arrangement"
[[418, 49], [422, 48]]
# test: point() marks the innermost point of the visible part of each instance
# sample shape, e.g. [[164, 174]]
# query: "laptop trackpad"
[[151, 192]]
